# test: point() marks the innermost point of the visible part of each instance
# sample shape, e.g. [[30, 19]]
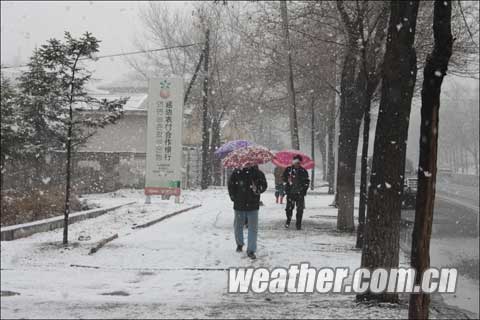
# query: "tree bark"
[[347, 158], [312, 181], [67, 182], [363, 175], [351, 113], [475, 158], [455, 159], [215, 143], [382, 236], [290, 82], [205, 133], [322, 145], [69, 153], [371, 71], [352, 88], [330, 145], [433, 73], [192, 81]]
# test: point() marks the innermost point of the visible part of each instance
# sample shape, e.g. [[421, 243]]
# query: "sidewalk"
[[176, 268]]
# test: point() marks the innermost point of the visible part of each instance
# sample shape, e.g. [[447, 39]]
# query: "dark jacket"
[[245, 186], [296, 179]]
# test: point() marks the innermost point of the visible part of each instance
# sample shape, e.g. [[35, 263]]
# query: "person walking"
[[279, 184], [244, 187], [297, 184]]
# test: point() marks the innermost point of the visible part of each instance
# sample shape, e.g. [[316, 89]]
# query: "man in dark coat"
[[297, 183], [244, 187]]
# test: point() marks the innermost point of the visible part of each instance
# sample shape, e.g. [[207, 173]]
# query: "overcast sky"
[[26, 24]]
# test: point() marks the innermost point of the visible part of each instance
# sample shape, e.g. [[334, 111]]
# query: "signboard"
[[164, 137]]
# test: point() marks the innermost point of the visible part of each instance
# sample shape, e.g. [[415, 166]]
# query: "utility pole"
[[205, 133]]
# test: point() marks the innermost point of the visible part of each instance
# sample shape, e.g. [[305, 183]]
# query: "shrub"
[[22, 207]]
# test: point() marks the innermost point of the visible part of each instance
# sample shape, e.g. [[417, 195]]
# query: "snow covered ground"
[[176, 268]]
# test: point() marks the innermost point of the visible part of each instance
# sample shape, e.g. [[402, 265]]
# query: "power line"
[[119, 54]]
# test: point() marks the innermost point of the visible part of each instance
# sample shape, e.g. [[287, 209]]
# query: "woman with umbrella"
[[245, 185]]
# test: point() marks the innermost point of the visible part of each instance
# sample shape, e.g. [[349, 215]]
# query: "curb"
[[148, 224], [27, 229], [102, 242]]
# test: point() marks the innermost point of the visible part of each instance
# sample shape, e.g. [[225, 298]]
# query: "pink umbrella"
[[247, 157], [284, 159]]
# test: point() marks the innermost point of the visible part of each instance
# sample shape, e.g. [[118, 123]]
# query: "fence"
[[93, 172]]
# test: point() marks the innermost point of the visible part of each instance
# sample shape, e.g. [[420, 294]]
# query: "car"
[[409, 197]]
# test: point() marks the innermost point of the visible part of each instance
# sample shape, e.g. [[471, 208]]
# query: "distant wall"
[[93, 172], [128, 134]]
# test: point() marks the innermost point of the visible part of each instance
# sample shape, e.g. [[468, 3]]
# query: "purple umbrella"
[[228, 147]]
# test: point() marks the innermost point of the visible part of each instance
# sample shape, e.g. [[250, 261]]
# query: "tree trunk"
[[69, 154], [352, 88], [351, 112], [455, 159], [347, 158], [475, 158], [330, 145], [433, 73], [382, 236], [192, 81], [322, 145], [215, 143], [205, 134], [68, 178], [312, 186], [290, 82], [363, 178]]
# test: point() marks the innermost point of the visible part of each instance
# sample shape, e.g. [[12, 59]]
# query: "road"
[[454, 243]]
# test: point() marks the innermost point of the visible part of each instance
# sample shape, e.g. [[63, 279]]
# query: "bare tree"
[[371, 60], [381, 247], [435, 69], [364, 24], [290, 78]]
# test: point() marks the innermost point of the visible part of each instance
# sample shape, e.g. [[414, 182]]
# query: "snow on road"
[[175, 268]]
